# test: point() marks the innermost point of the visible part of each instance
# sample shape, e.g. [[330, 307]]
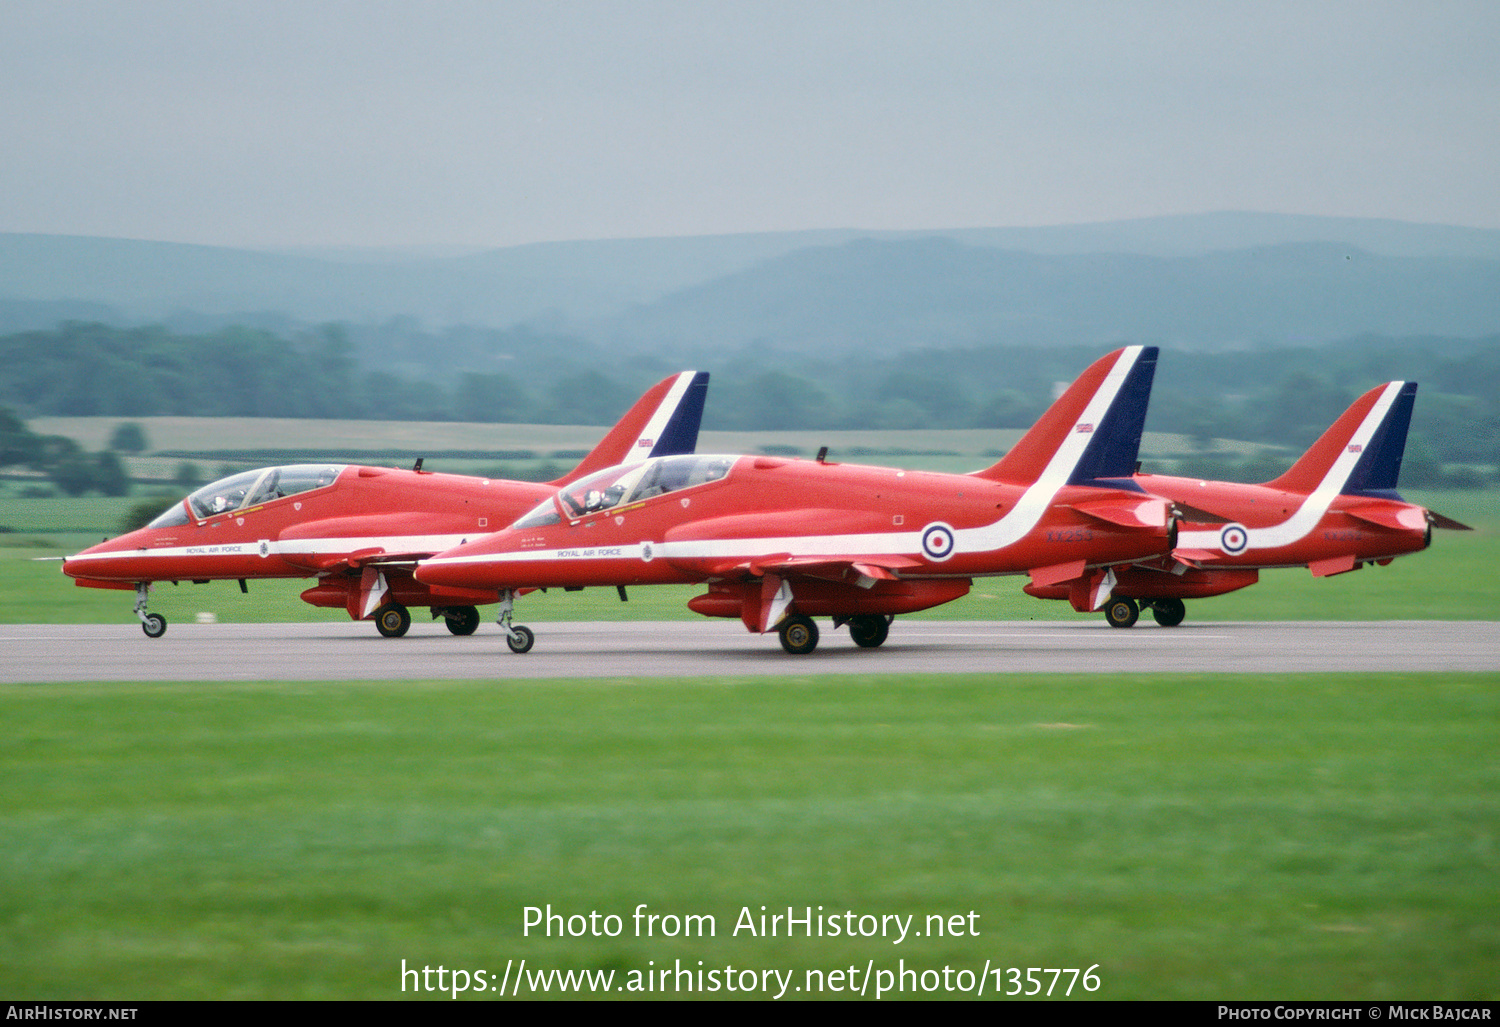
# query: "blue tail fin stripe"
[[1379, 467], [1110, 457], [680, 436]]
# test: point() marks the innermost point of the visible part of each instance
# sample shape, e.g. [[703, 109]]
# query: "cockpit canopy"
[[247, 489], [630, 483]]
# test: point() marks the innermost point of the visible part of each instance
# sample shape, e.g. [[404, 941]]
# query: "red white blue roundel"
[[1233, 539], [937, 541]]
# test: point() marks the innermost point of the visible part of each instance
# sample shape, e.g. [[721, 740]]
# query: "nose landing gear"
[[153, 624], [519, 637]]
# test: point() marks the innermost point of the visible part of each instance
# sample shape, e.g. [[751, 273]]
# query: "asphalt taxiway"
[[353, 651]]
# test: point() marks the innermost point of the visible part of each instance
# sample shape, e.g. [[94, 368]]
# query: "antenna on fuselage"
[[418, 465], [822, 454]]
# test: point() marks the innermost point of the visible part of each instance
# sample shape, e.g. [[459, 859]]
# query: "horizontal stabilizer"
[[1396, 518], [1127, 513]]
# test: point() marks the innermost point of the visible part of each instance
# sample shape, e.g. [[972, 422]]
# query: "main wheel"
[[155, 625], [522, 640], [799, 635], [461, 620], [868, 630], [1168, 612], [392, 620], [1121, 613]]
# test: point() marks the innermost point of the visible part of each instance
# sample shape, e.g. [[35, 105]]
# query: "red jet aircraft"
[[361, 530], [780, 541], [1334, 511]]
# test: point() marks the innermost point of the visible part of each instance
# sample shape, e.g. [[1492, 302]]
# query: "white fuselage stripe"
[[1008, 530], [397, 544], [1310, 513]]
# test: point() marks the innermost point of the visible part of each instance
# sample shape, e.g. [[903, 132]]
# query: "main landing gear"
[[392, 620], [153, 624], [461, 620], [799, 634], [1122, 612]]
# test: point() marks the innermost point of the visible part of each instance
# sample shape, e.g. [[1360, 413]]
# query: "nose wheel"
[[520, 639]]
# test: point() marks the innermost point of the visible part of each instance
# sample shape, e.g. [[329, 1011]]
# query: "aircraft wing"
[[371, 558], [855, 570]]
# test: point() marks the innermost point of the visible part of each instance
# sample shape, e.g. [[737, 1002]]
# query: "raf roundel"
[[937, 541], [1233, 539]]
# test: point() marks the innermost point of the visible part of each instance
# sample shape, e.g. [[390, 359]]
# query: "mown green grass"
[[1205, 837]]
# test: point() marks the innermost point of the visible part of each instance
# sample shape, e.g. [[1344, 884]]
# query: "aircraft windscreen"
[[252, 488], [618, 486]]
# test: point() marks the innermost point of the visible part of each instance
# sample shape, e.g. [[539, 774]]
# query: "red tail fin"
[[1093, 430], [1366, 442], [663, 422]]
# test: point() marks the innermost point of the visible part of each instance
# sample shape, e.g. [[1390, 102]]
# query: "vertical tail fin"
[[1361, 452], [1092, 433], [663, 422]]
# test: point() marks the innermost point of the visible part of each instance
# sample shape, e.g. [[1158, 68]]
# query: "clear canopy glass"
[[249, 488], [630, 483]]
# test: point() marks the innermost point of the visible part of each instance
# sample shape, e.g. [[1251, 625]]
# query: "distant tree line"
[[398, 371], [64, 462]]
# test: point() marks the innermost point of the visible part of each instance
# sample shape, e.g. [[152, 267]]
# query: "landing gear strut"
[[153, 624], [519, 637]]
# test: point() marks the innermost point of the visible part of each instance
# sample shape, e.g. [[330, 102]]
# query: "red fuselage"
[[327, 530], [844, 533]]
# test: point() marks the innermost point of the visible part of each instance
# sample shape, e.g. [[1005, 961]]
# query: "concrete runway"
[[353, 651]]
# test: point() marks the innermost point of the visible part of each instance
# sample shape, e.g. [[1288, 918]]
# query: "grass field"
[[1200, 837], [1197, 837]]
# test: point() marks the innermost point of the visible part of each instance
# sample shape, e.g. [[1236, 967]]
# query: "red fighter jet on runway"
[[780, 541], [1336, 510], [361, 530]]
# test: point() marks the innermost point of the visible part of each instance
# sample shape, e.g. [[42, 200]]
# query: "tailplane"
[[1091, 435], [663, 422]]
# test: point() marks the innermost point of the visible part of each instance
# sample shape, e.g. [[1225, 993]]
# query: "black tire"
[[1168, 612], [1121, 613], [155, 625], [869, 630], [461, 620], [522, 640], [799, 635], [392, 620]]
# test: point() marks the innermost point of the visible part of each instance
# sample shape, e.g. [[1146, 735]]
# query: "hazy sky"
[[314, 122]]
